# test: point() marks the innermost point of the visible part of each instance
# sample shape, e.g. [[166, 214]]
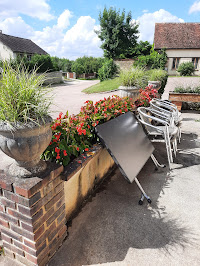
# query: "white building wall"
[[5, 52], [185, 55]]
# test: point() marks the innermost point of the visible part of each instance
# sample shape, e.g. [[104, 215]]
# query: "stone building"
[[182, 43]]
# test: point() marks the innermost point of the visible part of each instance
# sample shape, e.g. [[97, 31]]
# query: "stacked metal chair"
[[161, 127]]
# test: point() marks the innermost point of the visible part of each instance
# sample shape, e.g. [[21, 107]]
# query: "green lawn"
[[107, 85]]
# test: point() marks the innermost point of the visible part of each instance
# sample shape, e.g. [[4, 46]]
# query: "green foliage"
[[61, 64], [108, 70], [87, 64], [187, 90], [154, 60], [72, 135], [117, 32], [42, 62], [142, 48], [22, 96], [186, 69], [134, 77]]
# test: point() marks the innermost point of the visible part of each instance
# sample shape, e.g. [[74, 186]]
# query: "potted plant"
[[132, 81], [24, 119], [156, 78]]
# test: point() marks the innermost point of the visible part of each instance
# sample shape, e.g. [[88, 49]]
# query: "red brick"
[[8, 203], [27, 227], [25, 261], [55, 215], [54, 200], [25, 248], [20, 216], [58, 188], [32, 258], [6, 182], [37, 216], [41, 248], [13, 248], [39, 232], [4, 223], [9, 253], [44, 218], [34, 199], [61, 218], [29, 243], [16, 198], [24, 210], [1, 208], [60, 202], [45, 235], [57, 181], [47, 188], [11, 234], [62, 231], [22, 232], [52, 234], [28, 187], [9, 218], [6, 238]]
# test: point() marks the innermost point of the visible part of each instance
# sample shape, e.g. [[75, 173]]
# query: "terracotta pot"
[[25, 143]]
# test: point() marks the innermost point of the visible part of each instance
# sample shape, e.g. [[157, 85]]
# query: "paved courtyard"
[[112, 229]]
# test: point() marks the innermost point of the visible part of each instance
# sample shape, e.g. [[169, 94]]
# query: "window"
[[175, 63], [195, 61]]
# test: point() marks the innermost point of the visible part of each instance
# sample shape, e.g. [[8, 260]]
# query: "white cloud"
[[78, 41], [147, 23], [195, 7], [33, 8], [63, 20], [17, 27]]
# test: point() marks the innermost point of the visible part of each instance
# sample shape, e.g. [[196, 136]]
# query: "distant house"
[[11, 46], [182, 43]]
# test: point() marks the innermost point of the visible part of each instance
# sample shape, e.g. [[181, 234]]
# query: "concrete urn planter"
[[25, 143], [131, 92], [155, 84]]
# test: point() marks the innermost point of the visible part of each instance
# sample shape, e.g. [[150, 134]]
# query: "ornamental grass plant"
[[134, 77], [23, 98]]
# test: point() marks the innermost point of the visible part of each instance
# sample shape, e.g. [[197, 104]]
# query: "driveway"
[[69, 96]]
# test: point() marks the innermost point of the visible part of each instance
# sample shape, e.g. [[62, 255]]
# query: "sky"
[[65, 28]]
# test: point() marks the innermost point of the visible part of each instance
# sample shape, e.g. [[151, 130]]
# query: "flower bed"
[[74, 134]]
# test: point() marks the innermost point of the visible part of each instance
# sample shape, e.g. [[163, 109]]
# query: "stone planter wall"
[[83, 175], [131, 92], [179, 98], [32, 216]]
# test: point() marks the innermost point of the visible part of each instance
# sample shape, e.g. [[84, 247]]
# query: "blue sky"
[[66, 28]]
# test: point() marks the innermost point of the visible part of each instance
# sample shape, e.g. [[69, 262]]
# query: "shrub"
[[186, 69], [108, 70], [134, 77], [72, 135], [154, 60], [146, 95], [187, 90], [160, 75]]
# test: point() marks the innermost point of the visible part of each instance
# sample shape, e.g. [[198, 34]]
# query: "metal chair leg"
[[144, 195]]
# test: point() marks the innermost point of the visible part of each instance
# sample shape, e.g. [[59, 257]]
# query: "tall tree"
[[118, 33]]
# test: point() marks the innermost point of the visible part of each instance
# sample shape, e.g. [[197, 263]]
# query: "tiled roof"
[[21, 45], [177, 36]]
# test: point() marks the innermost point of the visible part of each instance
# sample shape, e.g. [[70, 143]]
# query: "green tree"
[[142, 48], [186, 69], [117, 32]]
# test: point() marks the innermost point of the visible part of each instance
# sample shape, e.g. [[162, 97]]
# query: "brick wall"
[[32, 216]]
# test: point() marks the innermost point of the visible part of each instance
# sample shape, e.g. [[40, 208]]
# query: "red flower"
[[57, 150], [77, 148], [88, 126], [65, 153], [86, 149], [79, 161], [58, 156]]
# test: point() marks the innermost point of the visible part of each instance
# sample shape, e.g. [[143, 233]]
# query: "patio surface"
[[112, 229]]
